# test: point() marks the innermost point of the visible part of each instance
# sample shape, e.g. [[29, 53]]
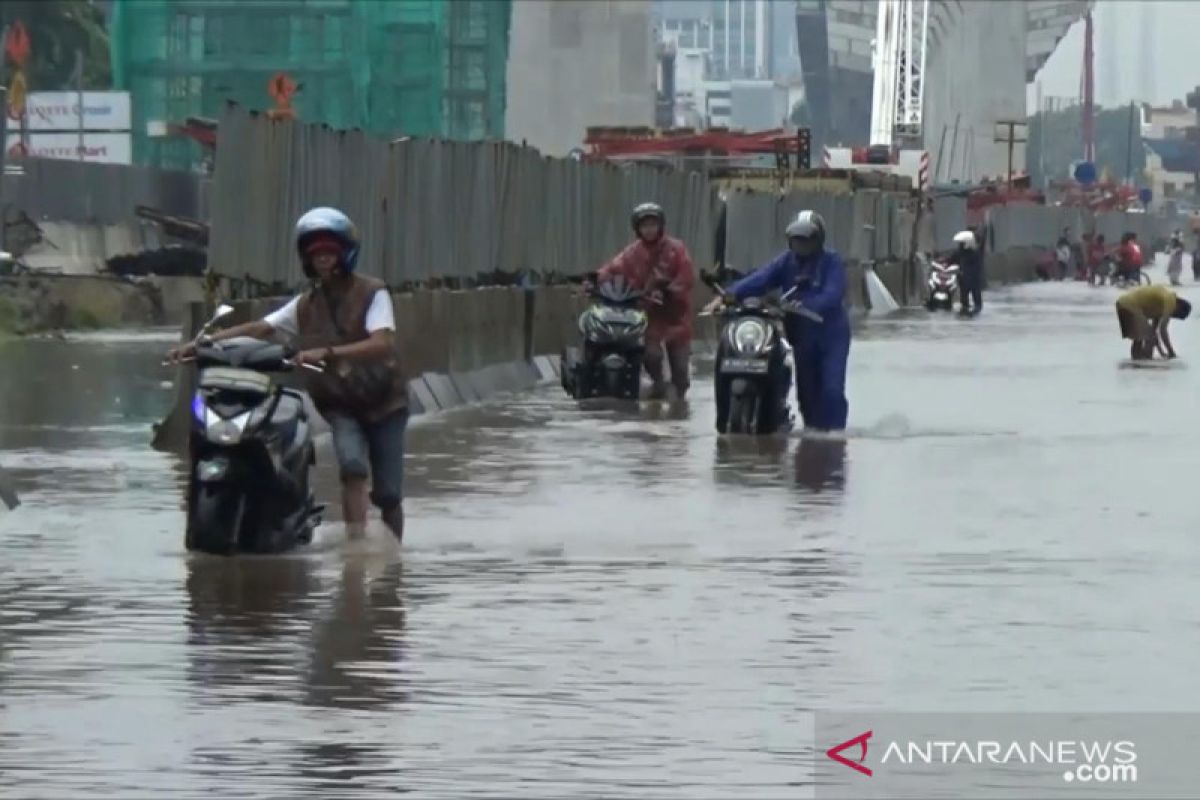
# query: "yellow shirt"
[[1155, 302]]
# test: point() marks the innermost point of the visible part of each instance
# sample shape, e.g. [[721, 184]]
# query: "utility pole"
[[1129, 148], [1010, 136]]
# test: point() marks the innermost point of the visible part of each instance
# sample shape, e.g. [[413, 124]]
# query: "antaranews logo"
[[1086, 761], [861, 740]]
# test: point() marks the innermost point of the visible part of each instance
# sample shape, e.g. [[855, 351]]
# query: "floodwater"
[[596, 602]]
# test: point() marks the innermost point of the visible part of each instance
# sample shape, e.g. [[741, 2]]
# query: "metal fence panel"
[[433, 209], [84, 192]]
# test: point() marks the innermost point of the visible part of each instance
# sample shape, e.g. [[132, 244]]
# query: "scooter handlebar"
[[290, 363]]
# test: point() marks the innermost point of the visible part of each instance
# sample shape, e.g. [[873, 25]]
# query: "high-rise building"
[[737, 34]]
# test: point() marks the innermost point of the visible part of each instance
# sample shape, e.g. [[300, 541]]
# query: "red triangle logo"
[[835, 753]]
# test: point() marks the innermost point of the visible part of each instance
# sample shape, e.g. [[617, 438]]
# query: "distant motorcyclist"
[[346, 321], [1143, 314], [1062, 253], [821, 344], [660, 266], [1129, 258], [1175, 265], [1096, 254], [1196, 258], [970, 265]]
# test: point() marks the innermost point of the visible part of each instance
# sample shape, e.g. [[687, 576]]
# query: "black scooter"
[[250, 451], [754, 367], [609, 363]]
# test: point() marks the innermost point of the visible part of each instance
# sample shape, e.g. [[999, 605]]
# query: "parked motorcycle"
[[942, 286], [250, 451], [609, 362], [754, 366]]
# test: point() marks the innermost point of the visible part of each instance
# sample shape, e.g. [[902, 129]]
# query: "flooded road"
[[608, 603]]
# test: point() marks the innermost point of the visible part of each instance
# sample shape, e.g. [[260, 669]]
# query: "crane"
[[898, 96], [897, 103]]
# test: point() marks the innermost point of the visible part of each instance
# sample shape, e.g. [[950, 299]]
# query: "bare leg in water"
[[355, 502]]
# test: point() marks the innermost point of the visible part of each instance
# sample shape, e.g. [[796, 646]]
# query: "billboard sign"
[[59, 111], [103, 148]]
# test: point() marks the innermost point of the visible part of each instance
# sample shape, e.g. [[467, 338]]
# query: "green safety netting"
[[391, 67]]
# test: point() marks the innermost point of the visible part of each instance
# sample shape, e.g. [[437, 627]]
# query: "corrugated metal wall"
[[867, 225], [431, 209], [77, 191]]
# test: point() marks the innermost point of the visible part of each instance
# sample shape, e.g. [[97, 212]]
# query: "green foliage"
[[8, 316], [1063, 143], [83, 319], [57, 30]]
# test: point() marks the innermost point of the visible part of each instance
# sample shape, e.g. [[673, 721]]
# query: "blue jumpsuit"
[[821, 348]]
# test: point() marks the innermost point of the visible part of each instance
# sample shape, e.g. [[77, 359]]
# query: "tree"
[[1063, 142], [57, 30]]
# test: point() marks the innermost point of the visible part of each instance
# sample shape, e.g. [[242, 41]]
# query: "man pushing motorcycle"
[[814, 279], [660, 266], [346, 321]]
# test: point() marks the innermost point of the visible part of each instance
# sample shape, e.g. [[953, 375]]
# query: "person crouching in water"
[[822, 344], [970, 265], [1143, 314], [660, 266], [346, 322]]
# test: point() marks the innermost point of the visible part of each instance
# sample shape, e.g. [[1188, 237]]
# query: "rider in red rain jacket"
[[660, 266]]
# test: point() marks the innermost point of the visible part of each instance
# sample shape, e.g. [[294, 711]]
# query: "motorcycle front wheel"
[[215, 519], [743, 413]]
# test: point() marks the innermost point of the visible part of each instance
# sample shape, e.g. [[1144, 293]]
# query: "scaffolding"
[[398, 68]]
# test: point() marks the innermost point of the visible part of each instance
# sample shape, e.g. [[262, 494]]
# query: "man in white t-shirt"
[[346, 322]]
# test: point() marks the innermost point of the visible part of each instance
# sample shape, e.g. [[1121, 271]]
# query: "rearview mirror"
[[223, 310]]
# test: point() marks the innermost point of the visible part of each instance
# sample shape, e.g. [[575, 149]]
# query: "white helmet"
[[807, 225], [966, 239]]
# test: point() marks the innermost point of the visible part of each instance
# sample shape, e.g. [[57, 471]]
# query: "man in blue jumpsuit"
[[822, 347]]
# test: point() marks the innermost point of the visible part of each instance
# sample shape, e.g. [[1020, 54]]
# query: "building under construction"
[[418, 67], [978, 59]]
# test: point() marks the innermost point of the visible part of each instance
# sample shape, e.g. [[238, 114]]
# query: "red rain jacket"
[[645, 266]]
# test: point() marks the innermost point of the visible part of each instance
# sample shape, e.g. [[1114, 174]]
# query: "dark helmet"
[[1182, 308], [647, 211], [807, 225], [327, 223]]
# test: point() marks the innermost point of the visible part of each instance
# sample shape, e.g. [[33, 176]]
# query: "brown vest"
[[363, 389]]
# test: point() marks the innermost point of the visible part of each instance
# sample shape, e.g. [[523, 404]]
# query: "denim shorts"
[[375, 450]]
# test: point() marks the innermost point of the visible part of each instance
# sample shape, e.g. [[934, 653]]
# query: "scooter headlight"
[[226, 432], [750, 336]]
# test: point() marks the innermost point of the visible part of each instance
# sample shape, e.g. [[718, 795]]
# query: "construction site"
[[418, 67], [939, 144]]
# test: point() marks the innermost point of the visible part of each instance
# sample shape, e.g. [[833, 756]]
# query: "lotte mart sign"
[[53, 122]]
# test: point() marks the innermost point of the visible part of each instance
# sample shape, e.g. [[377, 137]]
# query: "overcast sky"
[[1174, 64]]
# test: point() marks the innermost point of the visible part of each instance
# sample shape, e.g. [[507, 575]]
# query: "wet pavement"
[[605, 602]]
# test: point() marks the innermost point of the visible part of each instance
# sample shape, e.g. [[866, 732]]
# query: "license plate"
[[940, 296], [752, 365]]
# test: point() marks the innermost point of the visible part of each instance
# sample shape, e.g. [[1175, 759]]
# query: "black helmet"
[[646, 211]]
